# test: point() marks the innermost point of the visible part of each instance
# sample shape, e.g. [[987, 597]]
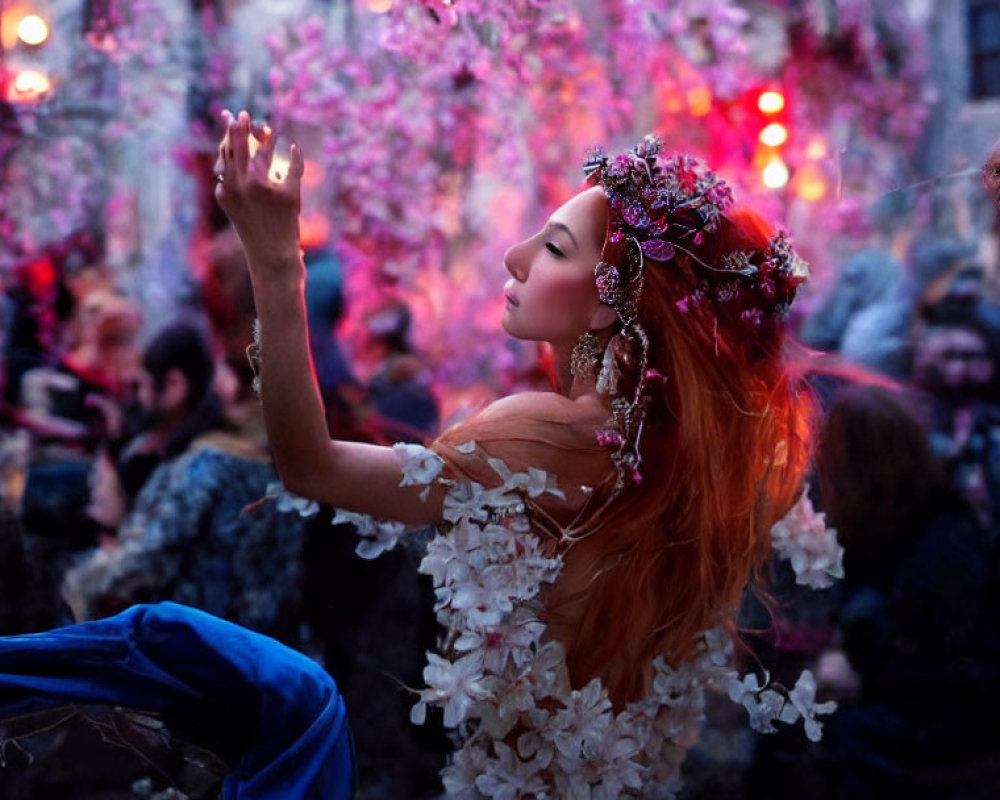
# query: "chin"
[[509, 325]]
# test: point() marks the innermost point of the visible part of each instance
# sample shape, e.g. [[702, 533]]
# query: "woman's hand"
[[264, 211]]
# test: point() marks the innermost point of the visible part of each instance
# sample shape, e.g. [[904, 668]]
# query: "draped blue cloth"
[[269, 710]]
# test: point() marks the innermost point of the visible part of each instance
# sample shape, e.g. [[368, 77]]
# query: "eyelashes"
[[554, 250]]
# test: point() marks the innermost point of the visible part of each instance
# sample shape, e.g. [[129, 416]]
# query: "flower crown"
[[658, 209]]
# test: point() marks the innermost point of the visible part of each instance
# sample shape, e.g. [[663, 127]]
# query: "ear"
[[175, 389], [603, 317]]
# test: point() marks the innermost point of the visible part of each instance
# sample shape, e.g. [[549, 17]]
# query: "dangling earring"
[[585, 358], [608, 377]]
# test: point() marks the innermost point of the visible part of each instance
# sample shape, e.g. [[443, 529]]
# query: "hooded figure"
[[878, 337]]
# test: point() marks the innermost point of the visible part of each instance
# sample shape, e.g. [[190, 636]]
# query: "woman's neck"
[[568, 384], [561, 358]]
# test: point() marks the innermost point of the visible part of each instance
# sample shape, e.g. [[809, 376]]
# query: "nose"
[[515, 262]]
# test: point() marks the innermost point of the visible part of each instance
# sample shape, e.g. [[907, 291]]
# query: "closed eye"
[[555, 250]]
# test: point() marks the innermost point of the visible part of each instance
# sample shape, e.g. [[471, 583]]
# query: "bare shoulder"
[[548, 405]]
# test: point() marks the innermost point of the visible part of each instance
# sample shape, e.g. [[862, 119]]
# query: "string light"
[[32, 30], [30, 84], [775, 175], [771, 102], [774, 135]]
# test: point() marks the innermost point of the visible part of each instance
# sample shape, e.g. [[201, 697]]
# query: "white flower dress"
[[523, 730]]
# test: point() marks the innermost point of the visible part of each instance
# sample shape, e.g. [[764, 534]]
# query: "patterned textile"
[[195, 537]]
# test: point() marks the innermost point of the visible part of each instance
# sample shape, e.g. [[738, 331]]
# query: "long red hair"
[[724, 451]]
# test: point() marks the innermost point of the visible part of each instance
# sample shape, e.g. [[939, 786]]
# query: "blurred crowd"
[[134, 467]]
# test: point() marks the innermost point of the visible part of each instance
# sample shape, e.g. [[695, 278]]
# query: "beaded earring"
[[585, 358]]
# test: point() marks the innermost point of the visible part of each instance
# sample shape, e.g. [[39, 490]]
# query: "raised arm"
[[349, 475]]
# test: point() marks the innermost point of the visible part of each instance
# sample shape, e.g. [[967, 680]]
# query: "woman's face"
[[552, 295]]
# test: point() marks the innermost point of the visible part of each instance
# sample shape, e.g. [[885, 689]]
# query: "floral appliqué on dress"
[[524, 732]]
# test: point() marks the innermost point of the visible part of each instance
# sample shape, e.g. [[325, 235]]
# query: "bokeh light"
[[817, 149], [32, 30], [29, 84], [771, 102], [774, 135], [810, 184], [699, 101], [775, 175]]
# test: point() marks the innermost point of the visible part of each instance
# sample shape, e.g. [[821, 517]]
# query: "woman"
[[590, 535]]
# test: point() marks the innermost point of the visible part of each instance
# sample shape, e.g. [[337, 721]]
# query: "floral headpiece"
[[657, 210]]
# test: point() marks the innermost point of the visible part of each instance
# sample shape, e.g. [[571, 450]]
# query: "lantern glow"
[[775, 175], [771, 102], [32, 30], [774, 135], [29, 84]]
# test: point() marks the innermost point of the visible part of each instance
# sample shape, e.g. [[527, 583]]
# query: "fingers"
[[227, 118], [244, 165], [292, 184], [297, 167], [239, 135], [223, 159], [265, 155]]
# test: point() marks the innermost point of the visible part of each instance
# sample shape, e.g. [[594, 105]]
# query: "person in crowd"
[[866, 279], [69, 405], [956, 367], [342, 393], [42, 302], [198, 535], [76, 394], [175, 403], [919, 615], [351, 597], [399, 391], [37, 301], [878, 338]]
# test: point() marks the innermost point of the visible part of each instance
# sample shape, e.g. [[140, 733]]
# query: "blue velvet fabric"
[[263, 707]]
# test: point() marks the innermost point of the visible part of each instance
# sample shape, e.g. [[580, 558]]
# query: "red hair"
[[724, 451]]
